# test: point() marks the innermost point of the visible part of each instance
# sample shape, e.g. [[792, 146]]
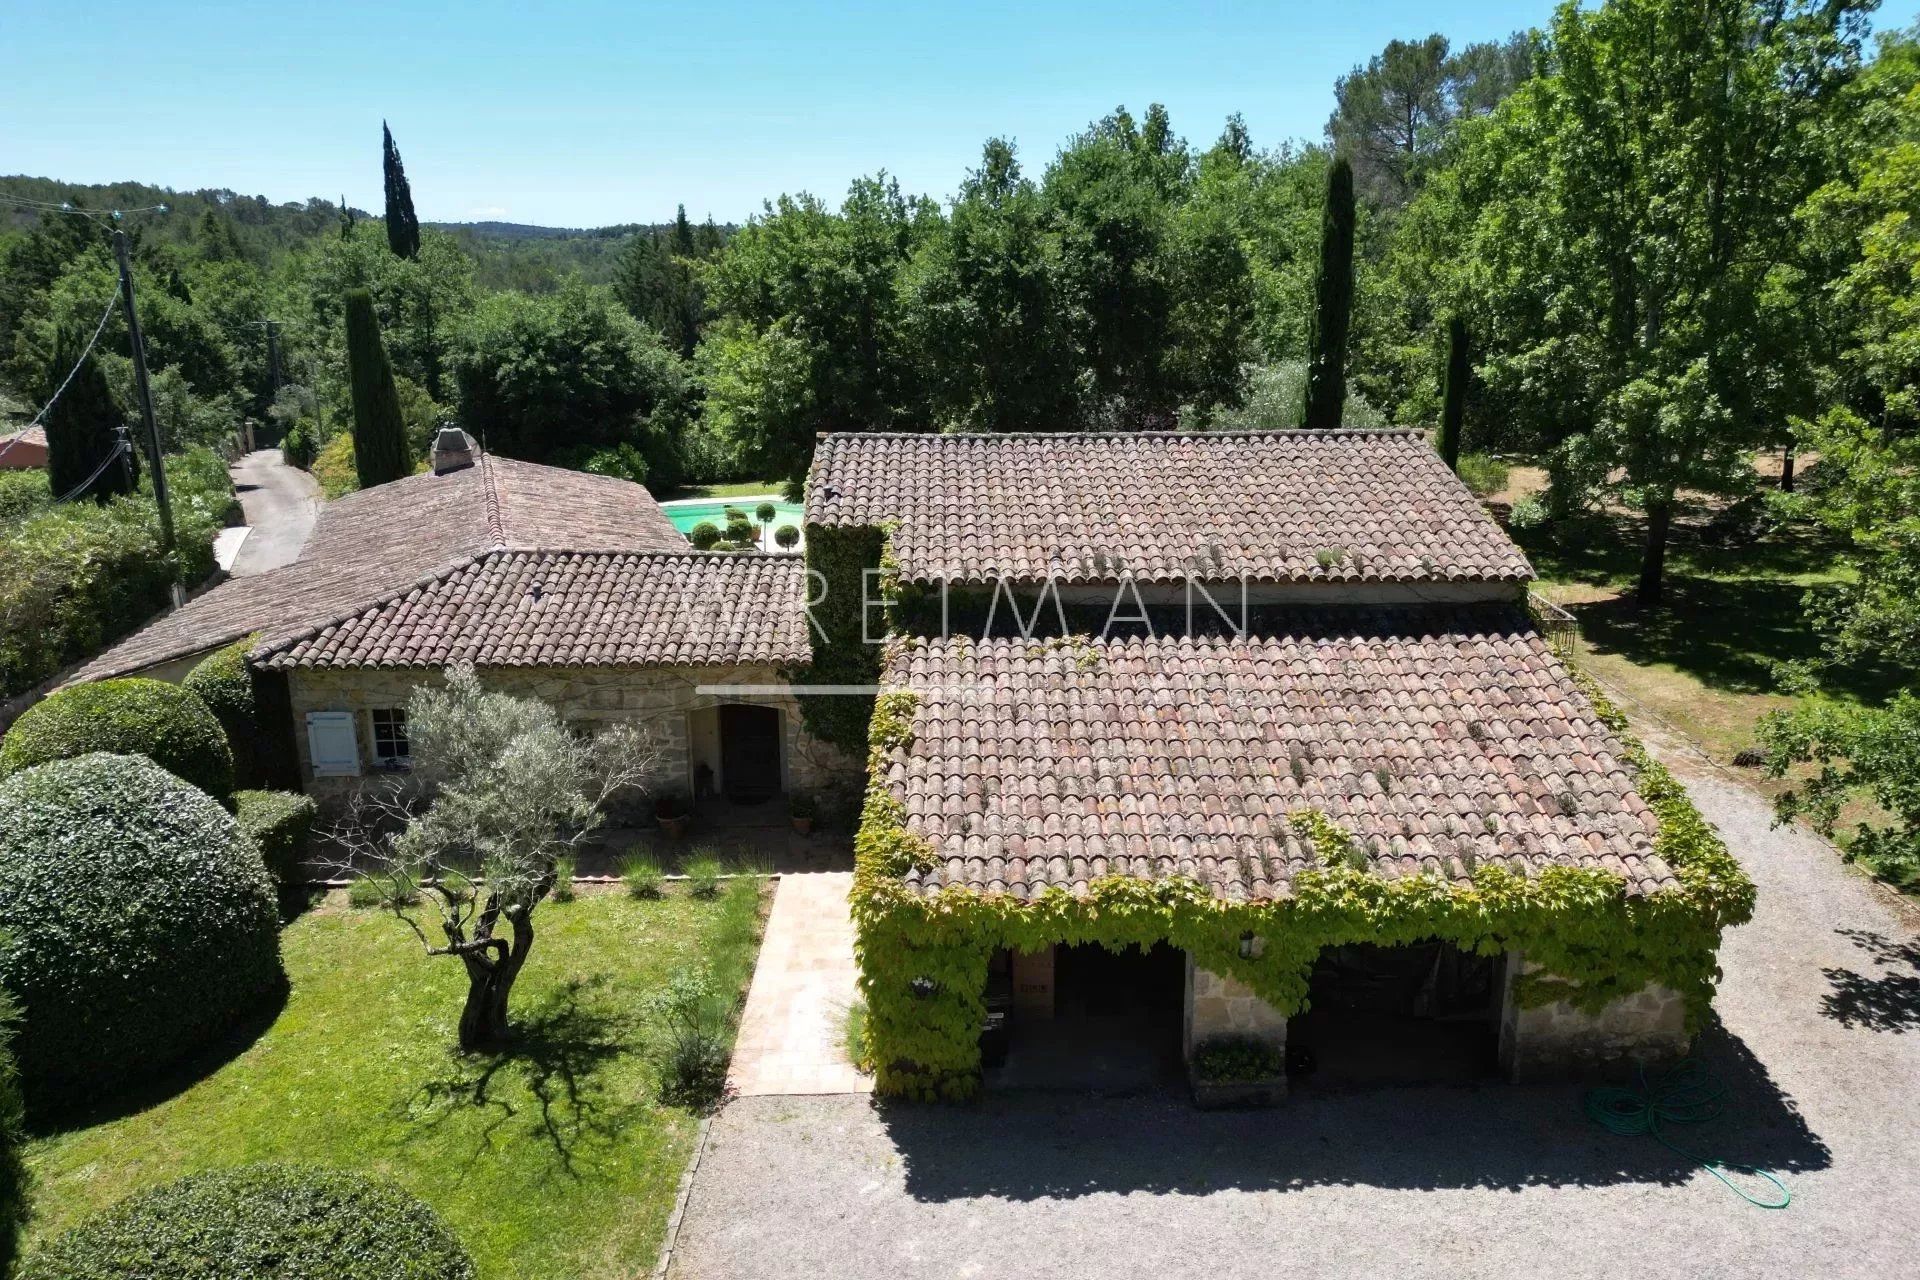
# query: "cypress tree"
[[81, 427], [1453, 406], [1332, 304], [403, 226], [380, 450]]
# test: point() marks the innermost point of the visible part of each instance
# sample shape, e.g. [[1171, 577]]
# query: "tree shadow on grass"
[[1887, 1001], [55, 1115], [1038, 1146], [549, 1081]]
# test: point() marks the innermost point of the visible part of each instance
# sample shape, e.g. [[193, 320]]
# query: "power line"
[[92, 215], [98, 329], [86, 484]]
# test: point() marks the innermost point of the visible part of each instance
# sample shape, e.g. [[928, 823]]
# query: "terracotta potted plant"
[[672, 812], [1237, 1071], [803, 810]]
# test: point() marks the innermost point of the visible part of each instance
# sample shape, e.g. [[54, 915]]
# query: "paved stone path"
[[793, 1030], [1819, 1044]]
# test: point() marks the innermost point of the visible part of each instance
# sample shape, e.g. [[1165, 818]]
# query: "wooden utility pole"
[[160, 495]]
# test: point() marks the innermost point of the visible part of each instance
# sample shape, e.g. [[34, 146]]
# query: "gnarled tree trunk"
[[493, 963]]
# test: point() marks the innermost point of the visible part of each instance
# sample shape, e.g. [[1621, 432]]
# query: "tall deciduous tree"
[[501, 789], [1332, 304], [82, 426], [403, 225], [380, 450], [1637, 198]]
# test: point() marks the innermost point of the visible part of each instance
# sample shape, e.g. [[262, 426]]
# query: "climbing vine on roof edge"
[[923, 957]]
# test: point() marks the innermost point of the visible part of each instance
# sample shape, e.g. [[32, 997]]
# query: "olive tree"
[[466, 845]]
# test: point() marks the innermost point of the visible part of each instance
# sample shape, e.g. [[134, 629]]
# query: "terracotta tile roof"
[[1439, 741], [1288, 506], [367, 545], [564, 609]]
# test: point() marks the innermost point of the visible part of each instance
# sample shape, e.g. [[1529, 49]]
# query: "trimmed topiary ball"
[[150, 718], [259, 1222], [139, 922], [704, 535], [224, 684]]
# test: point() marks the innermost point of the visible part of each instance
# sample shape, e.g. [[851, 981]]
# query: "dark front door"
[[750, 753]]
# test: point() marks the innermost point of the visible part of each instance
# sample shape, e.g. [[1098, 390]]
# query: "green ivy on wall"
[[837, 562], [924, 957]]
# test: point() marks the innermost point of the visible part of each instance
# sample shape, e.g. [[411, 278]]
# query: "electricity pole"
[[160, 494]]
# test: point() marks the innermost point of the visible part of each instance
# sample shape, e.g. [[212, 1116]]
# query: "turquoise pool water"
[[685, 515]]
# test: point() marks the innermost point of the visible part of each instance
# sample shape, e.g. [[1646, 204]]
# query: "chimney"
[[452, 451]]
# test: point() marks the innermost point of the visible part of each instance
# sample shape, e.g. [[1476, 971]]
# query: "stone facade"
[[1222, 1006], [1558, 1041], [665, 698]]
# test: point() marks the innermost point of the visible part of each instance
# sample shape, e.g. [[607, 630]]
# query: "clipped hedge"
[[163, 722], [259, 1222], [280, 823], [222, 681], [140, 923]]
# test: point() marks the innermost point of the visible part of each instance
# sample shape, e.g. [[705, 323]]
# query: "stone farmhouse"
[[1172, 737]]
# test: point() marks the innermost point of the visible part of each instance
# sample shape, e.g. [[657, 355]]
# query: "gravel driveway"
[[1820, 1042]]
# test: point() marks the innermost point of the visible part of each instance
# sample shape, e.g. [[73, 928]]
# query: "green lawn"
[[745, 489], [556, 1160]]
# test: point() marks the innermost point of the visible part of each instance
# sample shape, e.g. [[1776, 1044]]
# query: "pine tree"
[[1453, 406], [82, 427], [380, 451], [403, 225], [1332, 305]]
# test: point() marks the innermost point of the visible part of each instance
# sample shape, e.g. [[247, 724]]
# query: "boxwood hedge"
[[279, 823], [139, 922], [150, 718], [259, 1222], [223, 683]]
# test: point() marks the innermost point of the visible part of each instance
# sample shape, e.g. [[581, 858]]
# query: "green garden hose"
[[1688, 1094]]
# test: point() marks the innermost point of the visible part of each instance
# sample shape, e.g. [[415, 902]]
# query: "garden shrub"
[[259, 1222], [787, 536], [222, 681], [704, 535], [280, 823], [691, 1056], [139, 921], [1237, 1060], [77, 577], [642, 876], [703, 876], [563, 880], [163, 722], [334, 467], [23, 494], [1483, 473], [299, 446]]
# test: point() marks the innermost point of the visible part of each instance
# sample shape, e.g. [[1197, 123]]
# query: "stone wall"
[[1221, 1006], [1558, 1041], [588, 697]]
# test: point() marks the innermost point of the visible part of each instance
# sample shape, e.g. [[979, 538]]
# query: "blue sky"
[[591, 113]]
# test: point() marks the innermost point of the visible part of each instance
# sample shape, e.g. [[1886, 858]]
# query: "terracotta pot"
[[672, 828], [803, 825]]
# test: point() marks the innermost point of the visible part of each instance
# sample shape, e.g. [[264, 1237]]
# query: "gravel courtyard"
[[1820, 1043]]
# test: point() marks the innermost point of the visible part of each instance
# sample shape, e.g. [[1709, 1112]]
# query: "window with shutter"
[[332, 744]]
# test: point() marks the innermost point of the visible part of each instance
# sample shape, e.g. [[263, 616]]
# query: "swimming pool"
[[685, 515]]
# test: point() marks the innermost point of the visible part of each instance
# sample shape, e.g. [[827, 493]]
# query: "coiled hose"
[[1688, 1094]]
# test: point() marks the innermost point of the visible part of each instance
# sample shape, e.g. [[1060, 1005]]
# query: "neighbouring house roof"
[[1283, 506], [24, 449], [1440, 740], [565, 609], [368, 545]]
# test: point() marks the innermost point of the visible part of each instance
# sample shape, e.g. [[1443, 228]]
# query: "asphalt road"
[[281, 503], [1819, 1042]]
